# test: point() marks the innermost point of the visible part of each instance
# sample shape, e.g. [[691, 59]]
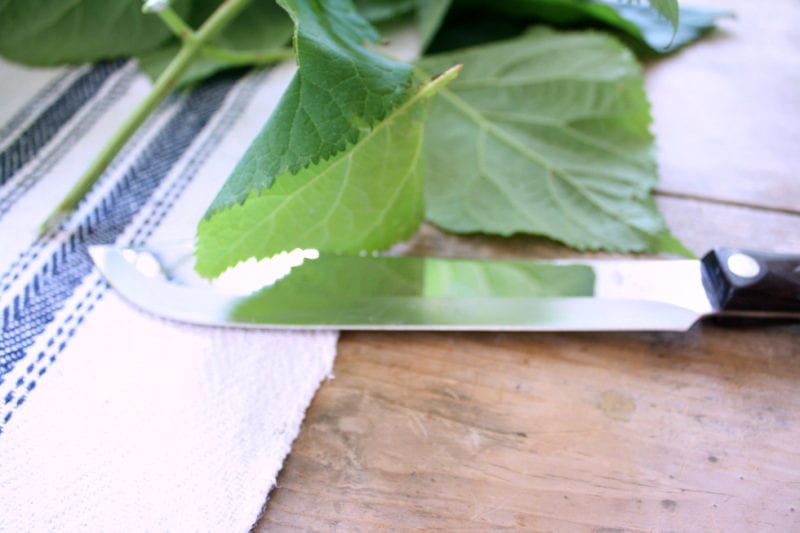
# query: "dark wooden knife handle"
[[745, 281]]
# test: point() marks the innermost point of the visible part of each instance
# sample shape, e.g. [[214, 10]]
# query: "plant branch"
[[190, 48]]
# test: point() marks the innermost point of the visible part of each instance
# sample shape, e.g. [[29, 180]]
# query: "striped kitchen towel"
[[111, 419]]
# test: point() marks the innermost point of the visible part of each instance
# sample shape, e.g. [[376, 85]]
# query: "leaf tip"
[[440, 80]]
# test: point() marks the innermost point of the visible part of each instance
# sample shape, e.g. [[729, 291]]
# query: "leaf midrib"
[[423, 92], [461, 105]]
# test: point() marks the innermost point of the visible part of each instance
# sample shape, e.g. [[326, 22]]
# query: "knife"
[[431, 293]]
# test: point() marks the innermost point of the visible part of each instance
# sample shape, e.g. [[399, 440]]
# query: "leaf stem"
[[245, 57], [170, 18], [227, 10]]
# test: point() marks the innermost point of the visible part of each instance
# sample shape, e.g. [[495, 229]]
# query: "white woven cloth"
[[110, 419]]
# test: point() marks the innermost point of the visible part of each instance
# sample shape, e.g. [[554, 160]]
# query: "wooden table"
[[603, 432]]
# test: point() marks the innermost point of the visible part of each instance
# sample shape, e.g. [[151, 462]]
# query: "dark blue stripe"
[[46, 126], [31, 311], [29, 110]]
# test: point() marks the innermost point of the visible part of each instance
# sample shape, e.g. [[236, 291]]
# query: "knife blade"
[[433, 293]]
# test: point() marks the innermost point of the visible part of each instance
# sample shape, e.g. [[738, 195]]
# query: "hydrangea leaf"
[[365, 198], [547, 134], [53, 32], [340, 88]]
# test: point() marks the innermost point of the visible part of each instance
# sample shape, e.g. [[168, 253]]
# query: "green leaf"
[[262, 25], [51, 32], [659, 34], [642, 23], [546, 134], [668, 9], [364, 199], [255, 37], [377, 11], [340, 89], [429, 14]]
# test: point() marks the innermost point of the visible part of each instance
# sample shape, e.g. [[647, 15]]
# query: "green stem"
[[243, 57], [173, 21], [161, 88]]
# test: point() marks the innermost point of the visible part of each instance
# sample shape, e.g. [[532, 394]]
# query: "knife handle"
[[743, 281]]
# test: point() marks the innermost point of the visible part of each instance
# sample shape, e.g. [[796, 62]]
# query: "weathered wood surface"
[[593, 432], [726, 110]]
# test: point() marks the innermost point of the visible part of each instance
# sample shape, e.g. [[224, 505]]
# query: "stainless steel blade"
[[414, 293]]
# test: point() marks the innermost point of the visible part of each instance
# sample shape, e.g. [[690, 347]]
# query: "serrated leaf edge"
[[425, 91], [433, 86]]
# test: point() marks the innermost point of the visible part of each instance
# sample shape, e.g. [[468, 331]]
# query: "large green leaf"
[[50, 32], [365, 198], [546, 134], [340, 88]]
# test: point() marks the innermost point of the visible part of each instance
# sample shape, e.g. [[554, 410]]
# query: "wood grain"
[[592, 432], [726, 109], [551, 432]]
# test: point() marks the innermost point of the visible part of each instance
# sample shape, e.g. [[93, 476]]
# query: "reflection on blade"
[[346, 292], [462, 278], [409, 291]]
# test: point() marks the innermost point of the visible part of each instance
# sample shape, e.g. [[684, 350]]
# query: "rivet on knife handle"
[[743, 281]]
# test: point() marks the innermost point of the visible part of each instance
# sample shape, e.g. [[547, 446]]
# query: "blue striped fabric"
[[53, 132], [109, 415], [47, 124], [34, 288]]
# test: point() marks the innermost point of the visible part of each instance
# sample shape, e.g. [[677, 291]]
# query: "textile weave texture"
[[112, 419]]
